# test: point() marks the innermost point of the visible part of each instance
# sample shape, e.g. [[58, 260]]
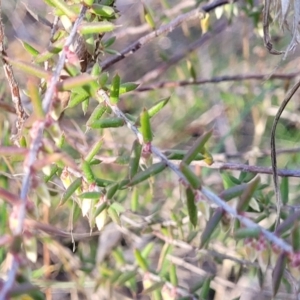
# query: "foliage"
[[99, 210]]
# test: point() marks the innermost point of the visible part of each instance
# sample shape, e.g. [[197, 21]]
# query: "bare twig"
[[280, 243], [196, 13], [219, 79], [273, 146], [154, 74], [14, 88], [37, 137], [267, 37]]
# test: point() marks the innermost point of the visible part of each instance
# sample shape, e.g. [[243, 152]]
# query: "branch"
[[37, 137], [285, 102], [271, 237], [154, 74], [196, 13], [14, 88], [219, 79]]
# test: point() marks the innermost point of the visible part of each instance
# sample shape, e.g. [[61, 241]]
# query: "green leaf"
[[205, 288], [30, 49], [96, 27], [284, 188], [141, 260], [87, 171], [36, 99], [152, 170], [70, 190], [211, 225], [90, 195], [135, 156], [287, 223], [111, 190], [76, 99], [94, 150], [278, 272], [107, 123], [191, 177], [247, 194], [96, 114], [233, 192], [126, 276], [115, 89], [158, 107], [65, 8], [191, 206], [74, 82], [296, 237], [145, 126], [114, 215], [197, 147], [243, 233], [134, 200], [31, 69], [127, 87], [148, 14], [102, 10], [173, 275]]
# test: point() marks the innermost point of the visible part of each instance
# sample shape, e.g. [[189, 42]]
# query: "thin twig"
[[267, 37], [191, 15], [163, 67], [273, 146], [280, 243], [219, 79], [14, 88]]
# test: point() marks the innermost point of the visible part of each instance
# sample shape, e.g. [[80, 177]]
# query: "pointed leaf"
[[141, 260], [247, 194], [211, 225], [191, 206], [278, 272], [158, 107], [197, 147], [152, 170], [96, 27], [145, 126]]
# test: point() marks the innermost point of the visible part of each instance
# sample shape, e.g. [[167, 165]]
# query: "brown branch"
[[17, 224], [219, 79], [196, 13], [154, 74], [285, 102], [14, 88]]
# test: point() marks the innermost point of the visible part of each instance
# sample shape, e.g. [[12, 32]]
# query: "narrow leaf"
[[197, 147], [152, 170], [158, 107], [191, 206], [191, 177], [278, 272], [115, 89], [70, 191], [135, 158], [145, 126], [211, 226], [247, 195], [30, 69], [141, 260], [95, 149], [96, 27], [107, 123]]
